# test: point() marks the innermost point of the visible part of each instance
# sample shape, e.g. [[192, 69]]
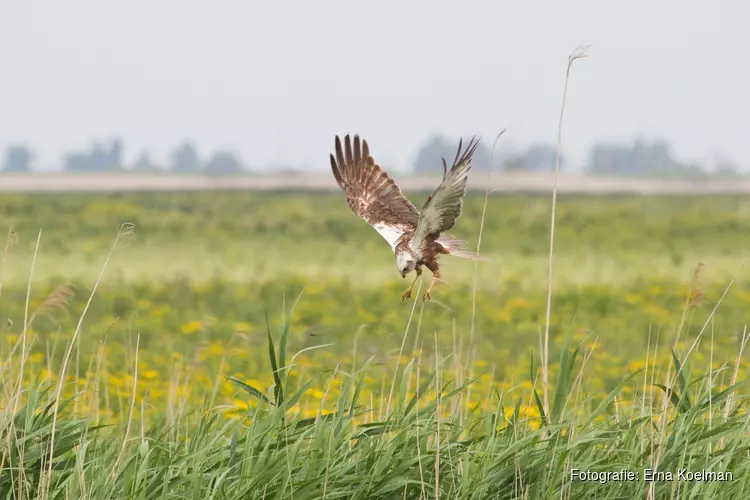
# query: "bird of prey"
[[416, 238]]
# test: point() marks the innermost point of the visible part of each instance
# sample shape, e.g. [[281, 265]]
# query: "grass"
[[255, 346], [312, 235], [429, 444]]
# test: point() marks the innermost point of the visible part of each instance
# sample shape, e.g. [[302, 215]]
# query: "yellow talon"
[[427, 295], [407, 293]]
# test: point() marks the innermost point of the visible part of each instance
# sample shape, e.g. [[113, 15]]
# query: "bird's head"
[[405, 262]]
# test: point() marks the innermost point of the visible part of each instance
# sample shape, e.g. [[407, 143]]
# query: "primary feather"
[[444, 206], [371, 193]]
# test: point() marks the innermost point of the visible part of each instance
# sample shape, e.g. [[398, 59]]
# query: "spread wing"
[[371, 193], [443, 206]]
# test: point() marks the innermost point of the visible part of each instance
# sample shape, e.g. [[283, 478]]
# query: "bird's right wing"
[[371, 192]]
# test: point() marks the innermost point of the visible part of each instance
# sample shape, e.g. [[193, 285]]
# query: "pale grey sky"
[[276, 81]]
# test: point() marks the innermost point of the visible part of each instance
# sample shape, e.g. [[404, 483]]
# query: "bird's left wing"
[[371, 193], [444, 206]]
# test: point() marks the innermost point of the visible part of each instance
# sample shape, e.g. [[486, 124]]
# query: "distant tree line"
[[644, 158], [640, 158], [107, 156], [538, 157]]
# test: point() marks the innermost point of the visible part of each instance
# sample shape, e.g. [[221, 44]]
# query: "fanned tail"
[[458, 248]]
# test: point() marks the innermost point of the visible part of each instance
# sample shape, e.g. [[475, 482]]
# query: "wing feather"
[[370, 192], [443, 206]]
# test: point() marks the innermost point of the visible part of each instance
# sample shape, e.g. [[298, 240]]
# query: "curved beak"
[[403, 274]]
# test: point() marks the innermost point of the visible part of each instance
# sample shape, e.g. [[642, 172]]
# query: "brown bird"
[[417, 239]]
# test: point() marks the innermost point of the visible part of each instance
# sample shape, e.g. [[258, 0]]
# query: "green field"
[[194, 294]]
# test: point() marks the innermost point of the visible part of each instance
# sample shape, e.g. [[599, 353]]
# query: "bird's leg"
[[435, 277], [407, 293]]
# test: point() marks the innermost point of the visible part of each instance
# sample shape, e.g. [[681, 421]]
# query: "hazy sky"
[[275, 81]]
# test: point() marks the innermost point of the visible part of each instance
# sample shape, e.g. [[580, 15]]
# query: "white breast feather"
[[390, 233]]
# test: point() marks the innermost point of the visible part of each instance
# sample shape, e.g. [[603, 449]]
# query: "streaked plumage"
[[416, 238]]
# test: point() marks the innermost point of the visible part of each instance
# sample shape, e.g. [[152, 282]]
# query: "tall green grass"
[[425, 442], [427, 446]]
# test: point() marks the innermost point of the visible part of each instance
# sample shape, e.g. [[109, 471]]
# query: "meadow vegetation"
[[254, 345]]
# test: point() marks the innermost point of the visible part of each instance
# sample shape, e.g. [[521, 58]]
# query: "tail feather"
[[458, 248]]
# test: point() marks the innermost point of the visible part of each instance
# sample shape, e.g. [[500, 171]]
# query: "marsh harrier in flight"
[[416, 238]]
